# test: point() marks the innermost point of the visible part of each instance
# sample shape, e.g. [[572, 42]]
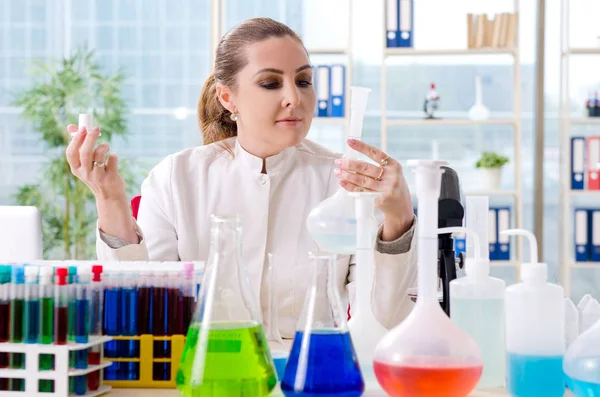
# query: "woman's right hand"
[[100, 173], [90, 164]]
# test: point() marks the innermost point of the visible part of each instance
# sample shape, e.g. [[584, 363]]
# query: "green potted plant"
[[60, 90], [490, 164]]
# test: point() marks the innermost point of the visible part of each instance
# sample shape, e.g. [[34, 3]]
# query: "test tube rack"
[[61, 372], [147, 361]]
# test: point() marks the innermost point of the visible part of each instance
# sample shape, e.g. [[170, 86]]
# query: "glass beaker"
[[322, 360], [427, 355], [226, 352]]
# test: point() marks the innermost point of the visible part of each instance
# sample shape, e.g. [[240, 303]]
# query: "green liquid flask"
[[226, 352]]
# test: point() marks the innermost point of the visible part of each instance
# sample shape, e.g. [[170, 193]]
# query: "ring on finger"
[[100, 164], [385, 161], [380, 174]]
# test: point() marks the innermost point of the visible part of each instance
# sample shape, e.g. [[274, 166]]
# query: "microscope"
[[450, 213]]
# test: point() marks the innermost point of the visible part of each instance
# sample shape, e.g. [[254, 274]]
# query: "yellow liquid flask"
[[226, 353]]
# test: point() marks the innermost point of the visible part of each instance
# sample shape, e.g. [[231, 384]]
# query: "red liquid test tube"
[[61, 306]]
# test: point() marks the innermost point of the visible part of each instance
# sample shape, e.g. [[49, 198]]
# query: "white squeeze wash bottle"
[[477, 300], [535, 330]]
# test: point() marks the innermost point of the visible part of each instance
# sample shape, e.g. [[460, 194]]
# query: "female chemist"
[[255, 111]]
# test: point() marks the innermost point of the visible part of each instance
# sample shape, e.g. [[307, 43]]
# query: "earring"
[[234, 116]]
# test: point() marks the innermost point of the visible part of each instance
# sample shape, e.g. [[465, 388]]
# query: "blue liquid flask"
[[322, 360]]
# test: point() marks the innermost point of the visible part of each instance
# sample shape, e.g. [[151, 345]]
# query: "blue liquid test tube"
[[112, 324], [129, 326], [82, 326]]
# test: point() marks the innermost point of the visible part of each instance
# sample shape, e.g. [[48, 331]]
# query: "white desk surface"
[[174, 393]]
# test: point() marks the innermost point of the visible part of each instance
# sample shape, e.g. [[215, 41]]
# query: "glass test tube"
[[71, 280], [5, 313], [159, 318], [82, 326], [61, 306], [31, 327], [112, 314], [129, 325], [188, 297], [46, 320], [17, 298], [96, 318]]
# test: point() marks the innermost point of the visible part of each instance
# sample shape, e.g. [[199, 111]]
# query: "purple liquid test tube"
[[188, 298]]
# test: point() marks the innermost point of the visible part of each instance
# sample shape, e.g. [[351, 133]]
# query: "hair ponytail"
[[215, 121]]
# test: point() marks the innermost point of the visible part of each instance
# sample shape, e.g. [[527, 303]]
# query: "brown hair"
[[214, 119]]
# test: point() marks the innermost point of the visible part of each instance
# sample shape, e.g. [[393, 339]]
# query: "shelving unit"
[[499, 192], [347, 52], [566, 195], [446, 52], [515, 121], [582, 51], [566, 242], [584, 121], [413, 122]]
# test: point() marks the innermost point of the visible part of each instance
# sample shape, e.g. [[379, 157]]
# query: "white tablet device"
[[20, 234]]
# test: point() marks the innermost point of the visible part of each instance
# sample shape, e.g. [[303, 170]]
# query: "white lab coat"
[[183, 190]]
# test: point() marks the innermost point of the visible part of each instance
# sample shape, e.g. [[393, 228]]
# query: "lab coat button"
[[263, 179]]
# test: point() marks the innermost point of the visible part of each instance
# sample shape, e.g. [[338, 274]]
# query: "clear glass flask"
[[226, 352], [332, 223], [322, 361], [427, 355], [582, 363]]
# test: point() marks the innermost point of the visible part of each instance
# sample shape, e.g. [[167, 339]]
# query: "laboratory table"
[[174, 393]]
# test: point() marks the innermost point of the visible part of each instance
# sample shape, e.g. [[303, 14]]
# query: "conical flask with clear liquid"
[[332, 223], [322, 361], [427, 355], [226, 352]]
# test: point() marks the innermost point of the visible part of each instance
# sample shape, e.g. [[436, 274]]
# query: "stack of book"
[[486, 32]]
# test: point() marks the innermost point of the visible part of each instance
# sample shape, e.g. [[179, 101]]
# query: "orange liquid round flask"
[[427, 355]]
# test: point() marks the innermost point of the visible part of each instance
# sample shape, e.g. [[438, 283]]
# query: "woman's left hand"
[[387, 178]]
